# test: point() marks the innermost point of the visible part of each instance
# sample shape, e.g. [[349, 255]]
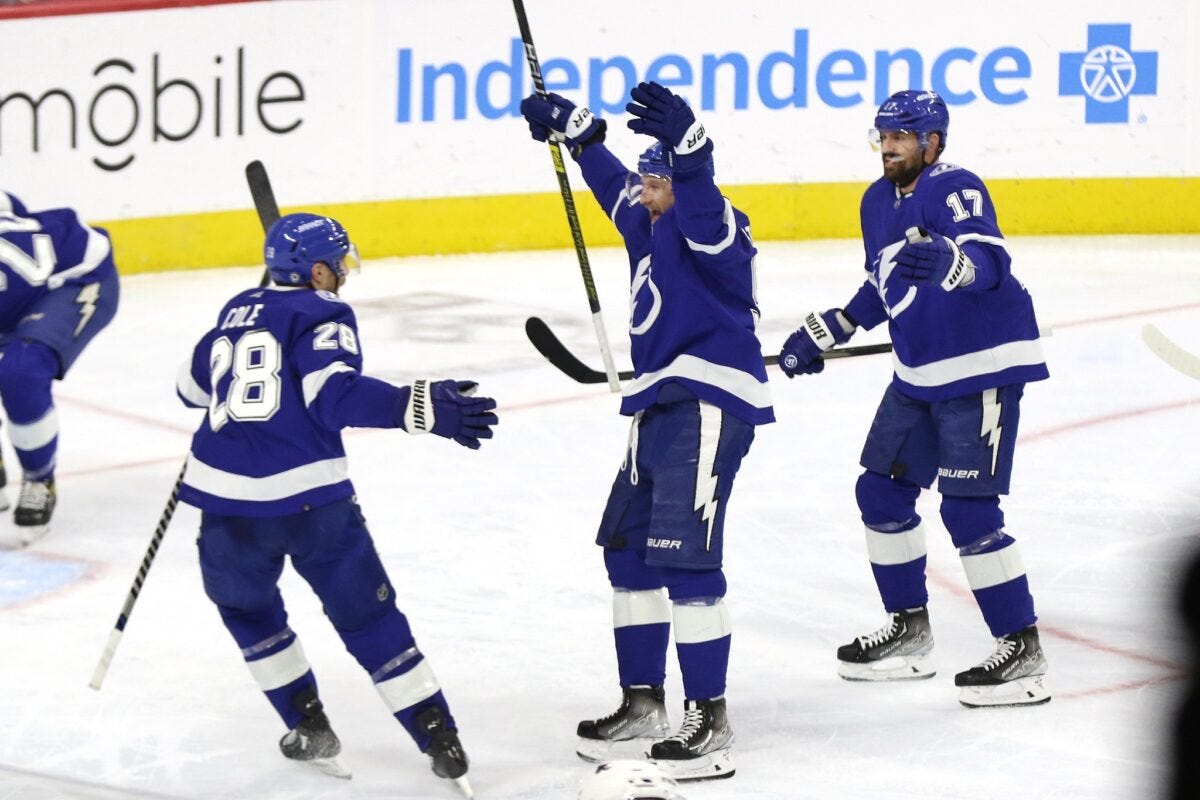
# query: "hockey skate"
[[3, 482], [34, 509], [1014, 675], [446, 754], [313, 740], [898, 651], [702, 749], [629, 731]]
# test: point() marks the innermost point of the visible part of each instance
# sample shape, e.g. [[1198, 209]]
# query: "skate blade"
[[464, 786], [1028, 691], [596, 751], [28, 534], [709, 767], [896, 668], [331, 766]]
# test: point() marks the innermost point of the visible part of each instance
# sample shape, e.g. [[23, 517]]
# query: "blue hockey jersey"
[[692, 299], [41, 251], [946, 344], [280, 375]]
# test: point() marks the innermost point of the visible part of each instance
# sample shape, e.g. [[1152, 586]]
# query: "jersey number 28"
[[253, 394]]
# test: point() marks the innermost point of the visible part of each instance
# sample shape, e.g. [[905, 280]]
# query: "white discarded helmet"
[[628, 780]]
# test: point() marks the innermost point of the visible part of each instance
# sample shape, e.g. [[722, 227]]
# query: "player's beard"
[[904, 173]]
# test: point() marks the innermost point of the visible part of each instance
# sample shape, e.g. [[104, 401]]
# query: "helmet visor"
[[349, 262]]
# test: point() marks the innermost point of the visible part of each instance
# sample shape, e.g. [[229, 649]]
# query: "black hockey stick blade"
[[556, 353], [564, 360], [264, 202], [264, 196]]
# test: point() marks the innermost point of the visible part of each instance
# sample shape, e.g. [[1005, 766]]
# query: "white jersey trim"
[[979, 237], [1024, 353], [232, 486], [313, 381], [731, 231], [98, 248], [741, 385], [628, 196], [188, 389]]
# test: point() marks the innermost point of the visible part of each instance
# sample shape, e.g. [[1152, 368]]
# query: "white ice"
[[492, 553]]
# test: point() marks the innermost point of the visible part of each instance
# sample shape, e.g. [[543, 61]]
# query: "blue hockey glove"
[[448, 408], [801, 353], [659, 113], [555, 117], [933, 260]]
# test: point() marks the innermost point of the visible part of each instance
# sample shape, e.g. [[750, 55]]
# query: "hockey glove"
[[557, 118], [659, 113], [801, 353], [933, 260], [447, 408]]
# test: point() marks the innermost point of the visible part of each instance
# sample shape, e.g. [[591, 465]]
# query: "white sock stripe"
[[992, 569], [402, 691], [701, 622], [281, 668], [32, 435], [888, 549], [643, 607]]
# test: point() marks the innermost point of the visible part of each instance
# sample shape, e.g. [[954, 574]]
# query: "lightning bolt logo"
[[706, 474], [991, 427], [86, 298]]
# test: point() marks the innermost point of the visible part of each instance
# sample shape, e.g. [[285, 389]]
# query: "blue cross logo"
[[1108, 73]]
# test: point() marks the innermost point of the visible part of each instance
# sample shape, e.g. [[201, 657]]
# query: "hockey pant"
[[241, 560]]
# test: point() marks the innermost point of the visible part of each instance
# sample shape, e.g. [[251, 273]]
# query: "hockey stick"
[[556, 353], [564, 188], [1172, 354], [268, 213]]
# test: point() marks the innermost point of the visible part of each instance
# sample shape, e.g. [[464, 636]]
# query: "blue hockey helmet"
[[297, 241], [914, 111], [655, 162]]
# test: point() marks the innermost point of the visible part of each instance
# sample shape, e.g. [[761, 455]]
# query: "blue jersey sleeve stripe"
[[98, 248], [234, 486], [312, 382], [188, 389], [982, 239], [1022, 353], [730, 233], [740, 384]]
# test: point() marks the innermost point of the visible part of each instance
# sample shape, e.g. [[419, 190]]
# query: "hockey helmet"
[[297, 241], [655, 162], [916, 112], [628, 780]]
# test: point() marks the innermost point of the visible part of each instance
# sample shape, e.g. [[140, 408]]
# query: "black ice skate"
[[629, 731], [898, 651], [1014, 675], [3, 482], [702, 749], [313, 740], [445, 751], [34, 509]]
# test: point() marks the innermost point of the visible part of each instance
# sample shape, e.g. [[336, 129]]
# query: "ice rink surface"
[[492, 555]]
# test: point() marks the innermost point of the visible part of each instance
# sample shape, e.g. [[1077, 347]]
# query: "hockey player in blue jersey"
[[699, 389], [58, 289], [280, 375], [965, 344]]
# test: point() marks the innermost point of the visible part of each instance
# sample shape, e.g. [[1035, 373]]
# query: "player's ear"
[[933, 149], [316, 273]]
